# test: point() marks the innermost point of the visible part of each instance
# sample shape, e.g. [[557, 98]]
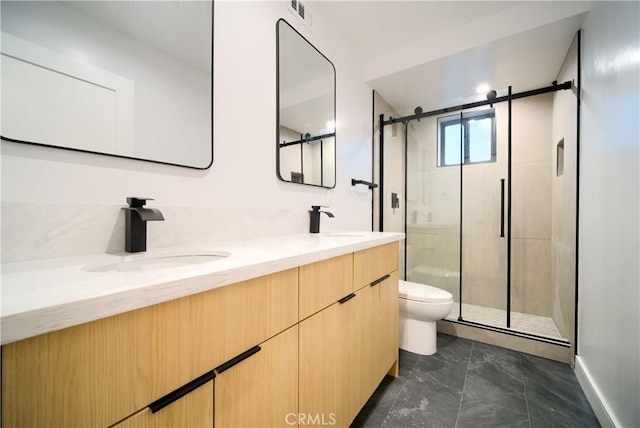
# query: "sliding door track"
[[558, 342]]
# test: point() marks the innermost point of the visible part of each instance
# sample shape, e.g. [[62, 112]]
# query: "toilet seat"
[[423, 293]]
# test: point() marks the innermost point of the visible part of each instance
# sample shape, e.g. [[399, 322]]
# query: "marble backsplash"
[[32, 231]]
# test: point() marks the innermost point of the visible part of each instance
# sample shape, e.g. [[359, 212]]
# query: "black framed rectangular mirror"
[[306, 107], [128, 79]]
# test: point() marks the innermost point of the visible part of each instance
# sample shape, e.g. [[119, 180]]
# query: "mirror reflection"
[[130, 79], [306, 111]]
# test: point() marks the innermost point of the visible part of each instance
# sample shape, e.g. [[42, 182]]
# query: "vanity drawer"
[[372, 264], [324, 283], [250, 312]]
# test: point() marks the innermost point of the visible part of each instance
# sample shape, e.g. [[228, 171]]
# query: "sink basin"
[[342, 235], [145, 262]]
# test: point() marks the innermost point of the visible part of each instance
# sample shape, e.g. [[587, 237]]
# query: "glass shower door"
[[484, 190], [456, 205], [433, 211]]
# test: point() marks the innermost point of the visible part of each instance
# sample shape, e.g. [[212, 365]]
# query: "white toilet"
[[420, 307]]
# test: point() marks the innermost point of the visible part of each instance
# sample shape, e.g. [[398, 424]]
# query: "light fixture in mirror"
[[123, 78], [306, 142]]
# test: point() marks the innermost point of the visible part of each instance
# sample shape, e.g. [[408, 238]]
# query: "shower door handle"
[[502, 207]]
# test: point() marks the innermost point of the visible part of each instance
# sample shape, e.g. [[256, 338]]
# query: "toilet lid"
[[423, 293]]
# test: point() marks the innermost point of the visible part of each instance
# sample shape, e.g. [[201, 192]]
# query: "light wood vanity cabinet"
[[348, 347], [287, 348]]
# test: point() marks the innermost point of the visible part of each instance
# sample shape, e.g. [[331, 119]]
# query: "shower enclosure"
[[489, 207]]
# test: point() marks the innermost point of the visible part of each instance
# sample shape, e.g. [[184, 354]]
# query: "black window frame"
[[445, 121]]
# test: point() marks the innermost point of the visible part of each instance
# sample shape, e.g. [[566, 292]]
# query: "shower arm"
[[366, 183]]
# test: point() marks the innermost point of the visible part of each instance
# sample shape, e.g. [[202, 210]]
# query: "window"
[[474, 133]]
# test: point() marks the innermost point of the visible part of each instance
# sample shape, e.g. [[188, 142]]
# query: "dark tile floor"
[[470, 384]]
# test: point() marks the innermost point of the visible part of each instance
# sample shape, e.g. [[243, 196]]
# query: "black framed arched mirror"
[[306, 106]]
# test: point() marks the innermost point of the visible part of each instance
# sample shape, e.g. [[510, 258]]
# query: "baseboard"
[[598, 404]]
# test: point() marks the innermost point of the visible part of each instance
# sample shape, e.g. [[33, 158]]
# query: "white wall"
[[243, 175], [608, 320]]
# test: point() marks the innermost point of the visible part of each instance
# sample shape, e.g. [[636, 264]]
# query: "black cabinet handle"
[[181, 392], [235, 360], [378, 281], [346, 298]]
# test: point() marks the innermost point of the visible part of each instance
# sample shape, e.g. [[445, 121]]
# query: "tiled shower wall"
[[531, 284]]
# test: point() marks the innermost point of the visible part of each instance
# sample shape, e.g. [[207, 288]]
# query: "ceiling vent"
[[301, 11]]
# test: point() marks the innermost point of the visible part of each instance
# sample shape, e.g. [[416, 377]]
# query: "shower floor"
[[533, 324]]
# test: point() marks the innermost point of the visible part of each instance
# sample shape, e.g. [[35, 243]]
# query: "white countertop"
[[47, 295]]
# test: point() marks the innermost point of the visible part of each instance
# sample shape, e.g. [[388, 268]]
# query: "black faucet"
[[136, 224], [314, 216]]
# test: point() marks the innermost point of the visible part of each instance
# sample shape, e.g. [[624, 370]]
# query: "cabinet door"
[[193, 410], [262, 390], [366, 345], [323, 283], [388, 325], [373, 263], [375, 335], [326, 358]]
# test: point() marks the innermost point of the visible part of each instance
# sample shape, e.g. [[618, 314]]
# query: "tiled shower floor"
[[533, 324]]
